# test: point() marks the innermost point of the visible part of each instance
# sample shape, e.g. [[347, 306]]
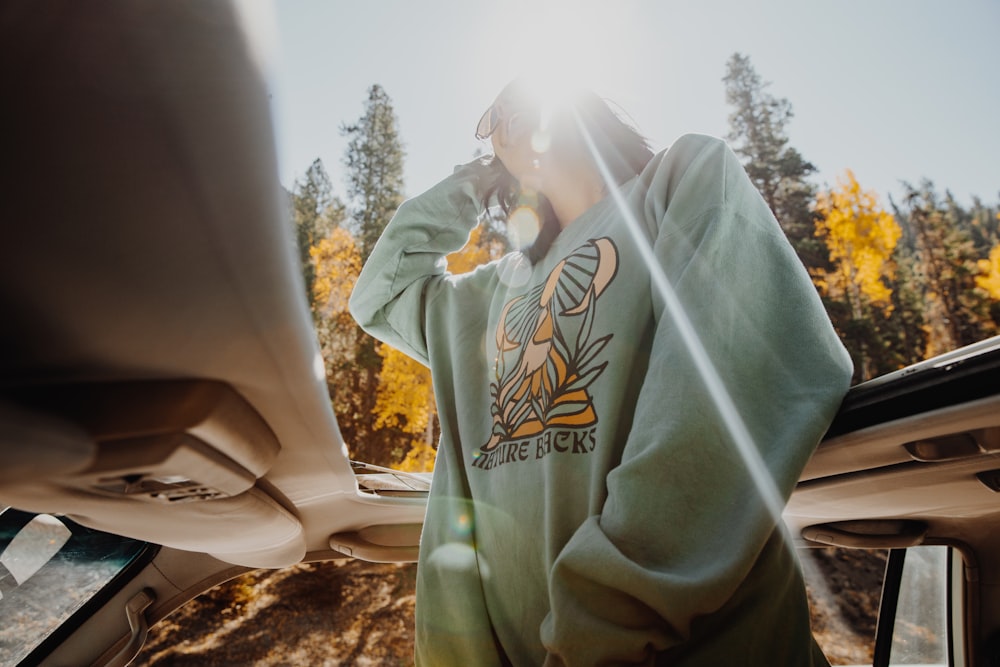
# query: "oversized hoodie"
[[590, 504]]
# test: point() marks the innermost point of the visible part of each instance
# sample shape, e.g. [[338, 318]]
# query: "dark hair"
[[623, 150]]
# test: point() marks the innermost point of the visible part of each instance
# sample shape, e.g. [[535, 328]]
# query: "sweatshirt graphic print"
[[548, 357]]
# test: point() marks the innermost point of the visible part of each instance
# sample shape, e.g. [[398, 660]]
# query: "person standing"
[[591, 503]]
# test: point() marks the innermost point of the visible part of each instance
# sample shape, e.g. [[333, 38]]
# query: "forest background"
[[902, 280]]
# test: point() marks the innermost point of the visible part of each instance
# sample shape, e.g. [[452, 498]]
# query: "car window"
[[903, 594], [844, 588], [920, 631], [50, 567]]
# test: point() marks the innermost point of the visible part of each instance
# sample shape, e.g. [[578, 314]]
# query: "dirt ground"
[[324, 615], [351, 613]]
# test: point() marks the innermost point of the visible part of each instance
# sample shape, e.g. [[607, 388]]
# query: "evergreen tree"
[[955, 313], [315, 212], [374, 161], [906, 331], [757, 133], [984, 226]]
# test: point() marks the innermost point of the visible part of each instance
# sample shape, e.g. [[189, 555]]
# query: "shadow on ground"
[[326, 614]]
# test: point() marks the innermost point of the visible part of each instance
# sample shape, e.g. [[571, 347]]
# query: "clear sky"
[[892, 89]]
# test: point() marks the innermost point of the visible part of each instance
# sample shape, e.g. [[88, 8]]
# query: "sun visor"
[[162, 442]]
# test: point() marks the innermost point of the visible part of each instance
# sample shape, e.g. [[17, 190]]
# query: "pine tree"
[[757, 132], [984, 226], [906, 330], [374, 161], [315, 212], [955, 312]]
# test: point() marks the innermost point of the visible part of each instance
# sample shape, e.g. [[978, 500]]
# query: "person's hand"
[[493, 183]]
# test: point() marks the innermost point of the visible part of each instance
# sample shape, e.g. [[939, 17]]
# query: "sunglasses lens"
[[488, 123]]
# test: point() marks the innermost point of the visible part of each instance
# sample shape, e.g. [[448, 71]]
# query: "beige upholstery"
[[145, 238]]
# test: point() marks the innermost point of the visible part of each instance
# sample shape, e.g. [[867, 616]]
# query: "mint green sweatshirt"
[[589, 506]]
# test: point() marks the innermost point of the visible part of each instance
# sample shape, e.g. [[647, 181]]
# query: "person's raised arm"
[[389, 298]]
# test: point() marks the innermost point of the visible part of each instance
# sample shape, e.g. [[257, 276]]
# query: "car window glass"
[[844, 587], [920, 635], [49, 568]]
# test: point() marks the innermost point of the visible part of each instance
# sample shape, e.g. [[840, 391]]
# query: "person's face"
[[512, 145], [512, 141], [510, 124]]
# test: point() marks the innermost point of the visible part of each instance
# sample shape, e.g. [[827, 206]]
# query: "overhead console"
[[172, 462]]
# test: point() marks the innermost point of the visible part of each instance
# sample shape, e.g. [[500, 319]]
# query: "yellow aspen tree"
[[990, 278], [471, 255], [405, 400], [338, 265], [405, 397], [860, 238]]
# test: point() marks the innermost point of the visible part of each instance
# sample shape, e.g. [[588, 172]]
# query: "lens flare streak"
[[731, 418]]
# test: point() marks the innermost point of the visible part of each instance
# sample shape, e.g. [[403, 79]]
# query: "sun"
[[577, 43]]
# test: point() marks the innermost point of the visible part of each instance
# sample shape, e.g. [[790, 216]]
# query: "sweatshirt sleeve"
[[408, 262], [684, 522]]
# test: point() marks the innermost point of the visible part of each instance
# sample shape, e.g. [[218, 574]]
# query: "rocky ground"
[[351, 613]]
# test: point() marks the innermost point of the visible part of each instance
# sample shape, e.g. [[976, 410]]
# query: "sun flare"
[[573, 42]]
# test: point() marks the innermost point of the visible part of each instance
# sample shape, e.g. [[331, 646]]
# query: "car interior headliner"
[[156, 321]]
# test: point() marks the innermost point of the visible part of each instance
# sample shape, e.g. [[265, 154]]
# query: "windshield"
[[50, 567]]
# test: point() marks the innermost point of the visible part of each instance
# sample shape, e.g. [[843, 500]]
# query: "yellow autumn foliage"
[[338, 265], [860, 238], [420, 458], [470, 256], [405, 397], [405, 400], [990, 278]]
